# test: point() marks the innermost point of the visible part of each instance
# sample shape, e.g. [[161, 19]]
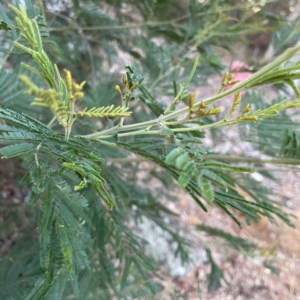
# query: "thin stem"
[[124, 128], [50, 124], [249, 82], [71, 120], [36, 154], [125, 104], [121, 122], [218, 124], [108, 143], [255, 160], [177, 99], [226, 158], [139, 132], [178, 122]]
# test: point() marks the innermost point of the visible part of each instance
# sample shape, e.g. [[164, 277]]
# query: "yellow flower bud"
[[118, 90], [124, 79], [191, 100], [134, 86], [68, 80], [246, 109]]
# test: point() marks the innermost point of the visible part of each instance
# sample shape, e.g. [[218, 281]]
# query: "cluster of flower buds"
[[202, 110], [74, 89]]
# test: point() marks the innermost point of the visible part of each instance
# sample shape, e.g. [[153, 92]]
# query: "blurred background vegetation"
[[158, 39]]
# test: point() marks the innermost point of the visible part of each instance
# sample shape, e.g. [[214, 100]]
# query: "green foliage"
[[216, 274], [62, 94], [234, 241], [5, 22], [77, 204], [290, 147]]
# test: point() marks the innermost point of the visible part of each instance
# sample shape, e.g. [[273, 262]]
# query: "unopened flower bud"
[[118, 90]]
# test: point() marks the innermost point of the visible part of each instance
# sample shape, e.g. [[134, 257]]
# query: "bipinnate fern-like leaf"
[[63, 219], [64, 244], [59, 227], [37, 179], [68, 176], [45, 227], [61, 96], [108, 111], [12, 135], [17, 150], [89, 172], [23, 121], [226, 197], [31, 33], [188, 157]]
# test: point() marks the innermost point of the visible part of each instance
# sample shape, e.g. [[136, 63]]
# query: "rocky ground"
[[271, 272]]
